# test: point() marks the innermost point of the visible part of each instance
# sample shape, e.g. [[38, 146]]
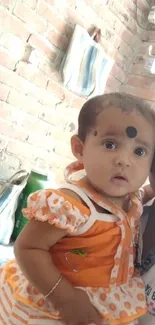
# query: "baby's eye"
[[109, 145], [140, 152]]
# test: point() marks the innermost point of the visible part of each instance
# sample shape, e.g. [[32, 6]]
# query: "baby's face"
[[118, 152]]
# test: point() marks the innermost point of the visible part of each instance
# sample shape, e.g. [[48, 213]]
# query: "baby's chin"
[[118, 192], [115, 190], [114, 193]]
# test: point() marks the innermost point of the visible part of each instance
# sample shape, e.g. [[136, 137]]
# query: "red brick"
[[48, 98], [56, 89], [6, 59], [73, 18], [16, 132], [151, 36], [26, 103], [20, 148], [116, 43], [141, 81], [47, 11], [26, 150], [145, 93], [59, 163], [130, 6], [109, 35], [63, 149], [143, 49], [6, 3], [125, 50], [78, 102], [47, 68], [69, 96], [110, 19], [42, 45], [138, 68], [119, 59], [12, 79], [127, 36], [12, 24], [30, 17], [40, 80], [128, 64], [31, 3], [112, 82], [53, 3], [9, 113], [58, 60], [120, 12], [21, 117], [111, 89], [4, 91], [5, 111], [118, 73], [143, 6], [59, 40], [87, 12], [25, 70], [41, 141], [124, 16], [70, 111], [108, 47], [52, 117], [13, 44]]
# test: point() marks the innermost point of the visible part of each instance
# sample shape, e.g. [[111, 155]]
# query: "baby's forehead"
[[129, 131], [119, 118], [115, 122]]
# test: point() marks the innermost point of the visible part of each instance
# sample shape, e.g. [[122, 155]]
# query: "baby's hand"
[[79, 310]]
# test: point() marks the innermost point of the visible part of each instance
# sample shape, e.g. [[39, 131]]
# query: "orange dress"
[[96, 256]]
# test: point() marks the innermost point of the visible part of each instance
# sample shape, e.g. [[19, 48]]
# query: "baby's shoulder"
[[73, 195], [62, 208]]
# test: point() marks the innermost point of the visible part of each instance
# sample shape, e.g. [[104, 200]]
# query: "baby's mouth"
[[119, 179]]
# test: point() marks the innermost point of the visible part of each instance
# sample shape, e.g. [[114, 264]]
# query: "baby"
[[76, 260]]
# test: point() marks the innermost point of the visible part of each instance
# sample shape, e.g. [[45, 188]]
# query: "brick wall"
[[38, 115], [139, 81]]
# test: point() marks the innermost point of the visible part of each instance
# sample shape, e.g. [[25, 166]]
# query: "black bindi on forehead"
[[131, 132], [95, 133]]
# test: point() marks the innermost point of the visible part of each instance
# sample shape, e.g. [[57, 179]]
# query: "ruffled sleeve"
[[58, 209]]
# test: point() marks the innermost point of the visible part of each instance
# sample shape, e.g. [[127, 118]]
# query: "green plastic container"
[[36, 181]]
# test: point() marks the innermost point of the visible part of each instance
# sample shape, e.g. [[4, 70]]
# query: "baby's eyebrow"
[[116, 133], [112, 133]]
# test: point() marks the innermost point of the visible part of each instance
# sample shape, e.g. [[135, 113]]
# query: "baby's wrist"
[[63, 293]]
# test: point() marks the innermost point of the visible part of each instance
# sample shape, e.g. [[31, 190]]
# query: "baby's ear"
[[153, 165], [77, 148]]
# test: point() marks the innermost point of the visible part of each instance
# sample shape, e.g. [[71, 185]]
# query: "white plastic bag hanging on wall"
[[9, 193], [85, 67]]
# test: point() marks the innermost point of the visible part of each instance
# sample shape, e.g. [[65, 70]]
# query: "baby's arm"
[[32, 253]]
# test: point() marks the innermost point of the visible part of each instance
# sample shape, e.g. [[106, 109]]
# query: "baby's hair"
[[94, 106]]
